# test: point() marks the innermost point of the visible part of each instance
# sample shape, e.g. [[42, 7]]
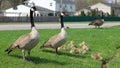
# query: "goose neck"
[[31, 19], [61, 21]]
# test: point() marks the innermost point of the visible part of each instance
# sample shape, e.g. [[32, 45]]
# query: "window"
[[71, 7], [65, 5], [50, 4]]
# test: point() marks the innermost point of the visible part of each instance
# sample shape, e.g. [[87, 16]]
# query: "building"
[[106, 8], [1, 13], [67, 5], [21, 10], [86, 11], [45, 8]]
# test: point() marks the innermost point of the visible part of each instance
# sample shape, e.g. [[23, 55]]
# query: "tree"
[[88, 13], [83, 13], [4, 4], [80, 4], [93, 12], [107, 14], [1, 3], [90, 2], [112, 12], [96, 12]]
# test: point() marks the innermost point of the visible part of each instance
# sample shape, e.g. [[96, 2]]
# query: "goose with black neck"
[[58, 39], [28, 41]]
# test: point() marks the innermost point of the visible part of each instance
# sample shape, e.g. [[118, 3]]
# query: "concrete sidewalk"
[[24, 26]]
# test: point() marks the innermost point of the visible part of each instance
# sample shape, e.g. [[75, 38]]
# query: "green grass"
[[99, 40]]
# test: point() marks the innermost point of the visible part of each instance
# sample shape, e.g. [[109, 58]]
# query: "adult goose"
[[28, 41], [58, 39], [97, 22]]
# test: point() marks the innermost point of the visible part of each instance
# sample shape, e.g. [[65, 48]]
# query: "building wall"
[[20, 11], [102, 7], [49, 4], [54, 5], [117, 11], [68, 7], [79, 12]]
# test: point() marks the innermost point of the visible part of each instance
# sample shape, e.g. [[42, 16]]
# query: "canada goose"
[[71, 45], [58, 39], [78, 50], [62, 47], [82, 43], [74, 50], [84, 46], [97, 56], [97, 22], [28, 41], [106, 61]]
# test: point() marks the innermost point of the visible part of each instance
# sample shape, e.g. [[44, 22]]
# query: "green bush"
[[83, 13], [112, 12]]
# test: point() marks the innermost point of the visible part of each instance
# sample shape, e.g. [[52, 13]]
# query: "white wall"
[[102, 7], [55, 6], [20, 11], [49, 4]]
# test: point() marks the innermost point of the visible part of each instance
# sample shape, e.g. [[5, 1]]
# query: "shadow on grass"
[[38, 60], [98, 28], [66, 54]]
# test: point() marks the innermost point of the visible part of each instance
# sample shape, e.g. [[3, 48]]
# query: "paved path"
[[24, 26]]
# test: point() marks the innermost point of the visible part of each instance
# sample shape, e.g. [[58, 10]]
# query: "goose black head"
[[32, 10], [33, 7]]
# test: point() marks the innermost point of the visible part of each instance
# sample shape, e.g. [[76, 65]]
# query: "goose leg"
[[23, 54], [28, 55], [56, 50]]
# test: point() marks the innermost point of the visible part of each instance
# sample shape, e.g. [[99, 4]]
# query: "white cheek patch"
[[62, 14], [32, 9]]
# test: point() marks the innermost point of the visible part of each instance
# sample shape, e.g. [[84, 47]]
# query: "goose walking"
[[58, 39], [97, 22], [28, 41]]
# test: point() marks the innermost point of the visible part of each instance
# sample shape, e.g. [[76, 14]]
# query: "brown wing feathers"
[[48, 42], [27, 41], [17, 43]]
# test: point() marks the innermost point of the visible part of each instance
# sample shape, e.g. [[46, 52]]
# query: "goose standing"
[[28, 41], [58, 39], [97, 22]]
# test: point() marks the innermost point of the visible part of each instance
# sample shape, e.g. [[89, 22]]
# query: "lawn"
[[99, 40]]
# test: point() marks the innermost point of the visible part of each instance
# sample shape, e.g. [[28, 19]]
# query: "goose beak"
[[33, 7]]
